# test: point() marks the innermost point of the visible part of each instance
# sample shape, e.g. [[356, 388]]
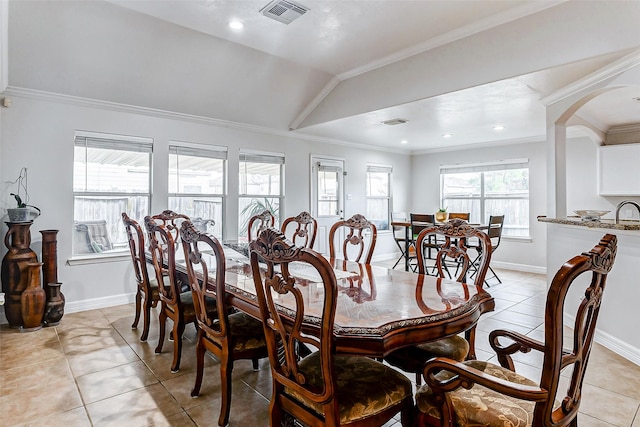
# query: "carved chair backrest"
[[259, 222], [360, 237], [598, 261], [171, 221], [194, 243], [285, 331], [135, 237], [452, 238], [163, 255], [304, 233]]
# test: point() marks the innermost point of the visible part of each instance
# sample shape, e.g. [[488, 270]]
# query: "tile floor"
[[92, 370]]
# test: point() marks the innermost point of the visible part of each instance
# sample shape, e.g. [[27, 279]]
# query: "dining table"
[[378, 309]]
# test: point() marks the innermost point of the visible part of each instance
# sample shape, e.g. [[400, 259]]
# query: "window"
[[111, 175], [197, 185], [489, 189], [378, 195], [261, 187]]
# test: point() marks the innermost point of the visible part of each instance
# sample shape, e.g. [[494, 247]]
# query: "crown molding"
[[451, 36], [172, 115], [609, 71], [481, 145], [634, 127]]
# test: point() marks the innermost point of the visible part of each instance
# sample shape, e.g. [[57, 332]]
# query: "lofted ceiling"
[[339, 70]]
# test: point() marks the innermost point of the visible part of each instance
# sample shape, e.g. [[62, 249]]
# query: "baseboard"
[[612, 343], [96, 303], [519, 267], [625, 350]]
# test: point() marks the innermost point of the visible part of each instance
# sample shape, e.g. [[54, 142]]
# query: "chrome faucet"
[[621, 204]]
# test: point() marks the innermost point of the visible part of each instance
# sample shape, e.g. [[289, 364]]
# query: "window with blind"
[[111, 175], [499, 188], [261, 187], [378, 195], [197, 185]]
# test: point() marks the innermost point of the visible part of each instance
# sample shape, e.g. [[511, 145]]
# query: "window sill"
[[518, 239], [115, 256]]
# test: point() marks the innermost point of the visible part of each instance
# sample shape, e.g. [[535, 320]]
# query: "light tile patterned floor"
[[92, 370]]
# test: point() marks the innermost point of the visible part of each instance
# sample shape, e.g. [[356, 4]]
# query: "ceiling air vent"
[[284, 11], [394, 122]]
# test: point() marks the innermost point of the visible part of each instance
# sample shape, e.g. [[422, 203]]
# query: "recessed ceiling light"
[[447, 135], [498, 127], [236, 25], [404, 141]]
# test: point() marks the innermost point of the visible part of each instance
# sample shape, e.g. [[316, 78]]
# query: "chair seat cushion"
[[412, 359], [364, 386], [188, 309], [245, 331], [480, 406]]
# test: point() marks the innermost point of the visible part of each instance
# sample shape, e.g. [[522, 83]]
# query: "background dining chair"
[[461, 215], [494, 230], [323, 388], [454, 235], [360, 237], [259, 222], [454, 391], [420, 222], [229, 337], [301, 229], [399, 235], [146, 289], [175, 304]]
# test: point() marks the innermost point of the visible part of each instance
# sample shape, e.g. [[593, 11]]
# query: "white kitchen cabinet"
[[619, 170]]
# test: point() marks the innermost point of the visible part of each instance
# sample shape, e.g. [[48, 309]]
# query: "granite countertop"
[[603, 223]]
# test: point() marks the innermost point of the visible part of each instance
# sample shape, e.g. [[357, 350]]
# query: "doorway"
[[327, 196]]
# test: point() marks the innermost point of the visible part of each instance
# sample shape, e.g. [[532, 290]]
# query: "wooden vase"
[[54, 308], [33, 299], [14, 270]]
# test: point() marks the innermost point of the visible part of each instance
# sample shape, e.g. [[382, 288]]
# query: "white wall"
[[39, 134], [527, 255]]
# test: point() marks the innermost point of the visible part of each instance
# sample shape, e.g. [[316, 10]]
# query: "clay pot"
[[54, 308], [33, 299], [14, 269]]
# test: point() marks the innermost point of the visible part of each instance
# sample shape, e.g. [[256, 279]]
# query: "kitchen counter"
[[603, 223]]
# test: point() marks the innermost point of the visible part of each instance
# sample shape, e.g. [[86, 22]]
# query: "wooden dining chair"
[[418, 223], [358, 235], [481, 393], [229, 337], [461, 215], [322, 388], [454, 235], [302, 228], [147, 296], [259, 222], [494, 231], [399, 235], [171, 221], [175, 303]]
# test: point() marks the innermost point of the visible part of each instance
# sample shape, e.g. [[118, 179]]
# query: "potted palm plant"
[[23, 212]]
